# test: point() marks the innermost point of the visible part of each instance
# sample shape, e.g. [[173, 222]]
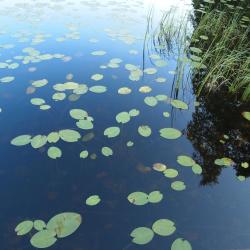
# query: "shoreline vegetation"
[[215, 52]]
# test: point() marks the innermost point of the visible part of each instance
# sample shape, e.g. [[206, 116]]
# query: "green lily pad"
[[24, 227], [185, 161], [130, 144], [59, 96], [40, 83], [142, 235], [21, 140], [160, 79], [7, 79], [43, 239], [98, 53], [178, 185], [151, 101], [54, 152], [134, 112], [122, 117], [196, 168], [225, 161], [106, 151], [53, 137], [124, 91], [85, 124], [84, 154], [69, 135], [244, 165], [97, 77], [181, 244], [155, 197], [179, 104], [39, 225], [145, 89], [45, 107], [170, 133], [112, 132], [93, 200], [98, 89], [160, 63], [138, 198], [170, 173], [164, 227], [246, 115], [160, 167], [38, 141], [144, 131], [150, 71], [162, 98], [166, 114], [241, 178], [64, 224], [37, 101]]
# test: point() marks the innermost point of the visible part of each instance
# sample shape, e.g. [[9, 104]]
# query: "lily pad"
[[84, 154], [97, 77], [145, 89], [69, 135], [38, 141], [98, 89], [150, 71], [21, 140], [164, 227], [134, 112], [7, 79], [122, 117], [144, 130], [39, 225], [185, 161], [130, 144], [225, 161], [98, 53], [37, 101], [138, 198], [85, 124], [166, 114], [179, 104], [93, 200], [160, 167], [43, 239], [106, 151], [246, 115], [64, 224], [54, 152], [112, 132], [59, 96], [124, 91], [170, 173], [151, 101], [24, 227], [142, 235], [155, 197], [53, 137], [196, 168], [181, 244], [45, 107], [40, 83], [170, 133], [178, 185]]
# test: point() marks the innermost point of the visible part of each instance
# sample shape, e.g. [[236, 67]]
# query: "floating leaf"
[[166, 114], [142, 235], [164, 227], [7, 79], [244, 165], [54, 152], [151, 101], [144, 130], [21, 140], [130, 144], [134, 112], [24, 227], [170, 133], [162, 98], [124, 91], [160, 79], [39, 225], [64, 224], [112, 132], [53, 137], [225, 161], [196, 168], [160, 167], [246, 115], [179, 104], [138, 198], [155, 197], [59, 96], [150, 71], [45, 107], [181, 244], [185, 161], [84, 154], [145, 89], [38, 141], [85, 124], [241, 178], [93, 200], [40, 83], [43, 239], [98, 53], [122, 117], [170, 173], [69, 135], [37, 101], [97, 77], [178, 185], [160, 63], [98, 89], [106, 151]]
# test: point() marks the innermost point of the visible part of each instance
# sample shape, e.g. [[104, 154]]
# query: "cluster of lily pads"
[[163, 228], [58, 227], [141, 198]]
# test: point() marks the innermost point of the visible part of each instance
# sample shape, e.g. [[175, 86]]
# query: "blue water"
[[33, 186]]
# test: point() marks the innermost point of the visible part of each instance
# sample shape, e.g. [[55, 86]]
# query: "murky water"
[[34, 186]]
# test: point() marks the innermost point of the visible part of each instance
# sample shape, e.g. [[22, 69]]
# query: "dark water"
[[33, 186]]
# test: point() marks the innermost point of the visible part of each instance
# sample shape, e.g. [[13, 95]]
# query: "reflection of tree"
[[215, 117]]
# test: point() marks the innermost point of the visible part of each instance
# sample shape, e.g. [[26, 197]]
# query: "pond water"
[[55, 41]]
